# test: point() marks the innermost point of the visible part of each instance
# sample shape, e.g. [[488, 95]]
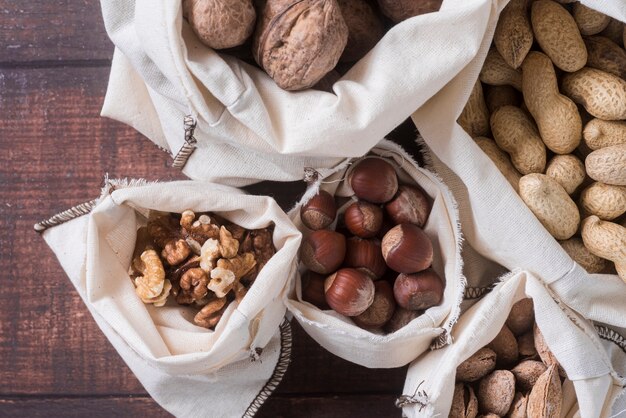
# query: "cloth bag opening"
[[340, 335], [184, 367]]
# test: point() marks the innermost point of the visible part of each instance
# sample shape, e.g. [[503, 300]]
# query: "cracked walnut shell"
[[298, 42], [221, 23]]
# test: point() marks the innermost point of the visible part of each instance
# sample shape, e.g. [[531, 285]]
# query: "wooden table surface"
[[54, 152]]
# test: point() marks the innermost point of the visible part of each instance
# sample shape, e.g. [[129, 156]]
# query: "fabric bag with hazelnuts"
[[381, 277], [518, 352], [360, 68], [187, 281]]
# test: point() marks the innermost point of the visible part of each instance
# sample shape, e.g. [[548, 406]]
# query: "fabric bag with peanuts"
[[189, 370], [339, 334], [497, 225], [247, 127], [594, 362]]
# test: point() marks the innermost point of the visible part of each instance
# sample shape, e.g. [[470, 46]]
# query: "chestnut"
[[313, 289], [410, 205], [401, 317], [323, 251], [418, 291], [374, 180], [365, 255], [319, 212], [407, 249], [363, 219], [349, 291], [381, 310]]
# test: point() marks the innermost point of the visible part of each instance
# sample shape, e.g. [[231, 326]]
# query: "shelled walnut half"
[[202, 260]]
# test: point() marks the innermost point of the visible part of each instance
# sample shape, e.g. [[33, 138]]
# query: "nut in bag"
[[356, 275], [178, 361], [519, 350]]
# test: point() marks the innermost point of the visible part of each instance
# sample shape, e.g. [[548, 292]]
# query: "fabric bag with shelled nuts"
[[187, 281], [524, 162], [162, 72]]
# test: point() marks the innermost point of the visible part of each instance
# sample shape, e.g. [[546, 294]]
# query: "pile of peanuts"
[[557, 116]]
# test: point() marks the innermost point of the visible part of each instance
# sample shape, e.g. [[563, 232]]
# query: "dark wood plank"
[[54, 152], [50, 31], [276, 407]]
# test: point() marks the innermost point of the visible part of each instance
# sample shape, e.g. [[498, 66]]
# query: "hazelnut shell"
[[407, 249], [319, 212], [366, 255], [374, 180], [323, 251], [381, 310], [410, 205], [313, 289], [349, 291], [418, 291], [401, 317], [363, 219]]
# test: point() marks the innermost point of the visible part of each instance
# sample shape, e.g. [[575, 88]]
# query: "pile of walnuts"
[[515, 375], [299, 42], [200, 260]]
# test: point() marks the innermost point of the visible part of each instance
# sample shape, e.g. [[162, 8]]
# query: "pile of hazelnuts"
[[376, 266]]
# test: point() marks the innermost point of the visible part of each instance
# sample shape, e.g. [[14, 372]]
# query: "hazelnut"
[[313, 290], [401, 317], [323, 251], [418, 291], [381, 310], [410, 205], [349, 292], [363, 219], [374, 180], [407, 249], [319, 212], [365, 255]]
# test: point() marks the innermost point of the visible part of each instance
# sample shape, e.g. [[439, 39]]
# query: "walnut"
[[238, 232], [193, 285], [399, 10], [162, 298], [261, 244], [175, 274], [175, 252], [239, 265], [298, 41], [199, 230], [163, 229], [240, 291], [150, 284], [221, 23], [222, 281], [209, 253], [211, 313], [229, 246], [365, 28]]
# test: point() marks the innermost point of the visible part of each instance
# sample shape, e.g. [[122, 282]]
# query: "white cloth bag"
[[339, 335], [572, 339], [496, 222], [190, 371], [247, 127]]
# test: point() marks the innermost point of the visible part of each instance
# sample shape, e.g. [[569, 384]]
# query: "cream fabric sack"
[[572, 339], [190, 371], [247, 127], [496, 223], [340, 335]]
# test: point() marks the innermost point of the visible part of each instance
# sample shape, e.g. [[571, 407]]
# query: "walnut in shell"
[[298, 42], [364, 28], [221, 23], [399, 10]]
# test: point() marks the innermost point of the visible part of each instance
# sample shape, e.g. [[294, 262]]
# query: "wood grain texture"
[[277, 407], [52, 32]]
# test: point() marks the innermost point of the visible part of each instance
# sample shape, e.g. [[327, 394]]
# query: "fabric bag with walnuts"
[[340, 335], [190, 371], [247, 127], [593, 359]]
